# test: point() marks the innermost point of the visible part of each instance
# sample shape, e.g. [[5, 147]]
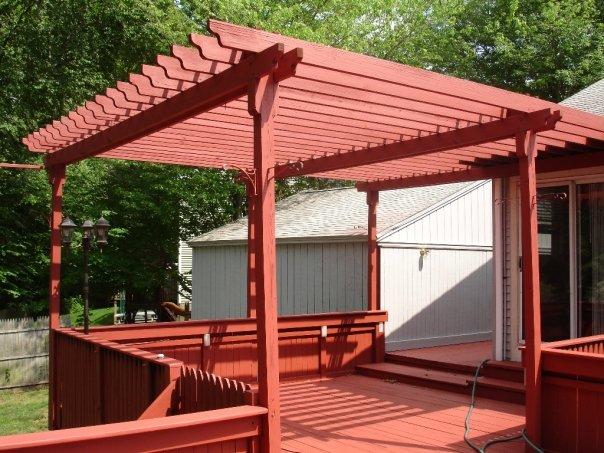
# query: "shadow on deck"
[[356, 413]]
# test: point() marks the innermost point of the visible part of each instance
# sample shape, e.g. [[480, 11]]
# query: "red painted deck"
[[463, 354], [356, 413]]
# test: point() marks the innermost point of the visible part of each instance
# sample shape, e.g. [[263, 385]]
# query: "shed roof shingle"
[[337, 213]]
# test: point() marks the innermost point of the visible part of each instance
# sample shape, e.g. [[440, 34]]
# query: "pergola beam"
[[210, 93], [458, 138], [573, 162]]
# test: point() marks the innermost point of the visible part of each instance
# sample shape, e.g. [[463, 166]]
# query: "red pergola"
[[278, 107]]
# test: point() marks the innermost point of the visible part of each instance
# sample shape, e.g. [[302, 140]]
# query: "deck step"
[[488, 387], [442, 380], [504, 370], [508, 371], [429, 363], [499, 389]]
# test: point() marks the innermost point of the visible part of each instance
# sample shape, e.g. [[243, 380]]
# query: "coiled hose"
[[495, 440]]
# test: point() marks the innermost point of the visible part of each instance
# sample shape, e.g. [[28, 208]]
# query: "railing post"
[[527, 152], [262, 99], [57, 181]]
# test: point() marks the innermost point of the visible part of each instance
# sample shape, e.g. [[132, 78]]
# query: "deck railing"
[[98, 381], [198, 390], [573, 395], [227, 430], [321, 344]]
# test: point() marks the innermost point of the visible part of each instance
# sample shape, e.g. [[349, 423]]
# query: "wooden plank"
[[458, 138], [166, 433], [263, 103], [525, 144], [372, 271], [223, 87]]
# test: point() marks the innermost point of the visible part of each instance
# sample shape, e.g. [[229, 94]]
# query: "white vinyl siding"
[[465, 219], [443, 297]]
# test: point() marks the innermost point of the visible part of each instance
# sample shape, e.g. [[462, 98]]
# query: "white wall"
[[441, 298], [445, 297], [464, 219], [311, 278]]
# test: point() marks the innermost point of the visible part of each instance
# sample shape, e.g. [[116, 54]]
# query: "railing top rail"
[[123, 349], [564, 344], [574, 363], [189, 329], [162, 433]]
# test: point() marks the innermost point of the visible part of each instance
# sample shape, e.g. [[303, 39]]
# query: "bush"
[[76, 310]]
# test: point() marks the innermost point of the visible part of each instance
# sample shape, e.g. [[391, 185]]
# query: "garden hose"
[[496, 440]]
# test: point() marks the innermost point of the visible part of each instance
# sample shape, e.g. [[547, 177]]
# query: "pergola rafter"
[[250, 100]]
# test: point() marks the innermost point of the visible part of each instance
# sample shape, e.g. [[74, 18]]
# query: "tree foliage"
[[55, 54]]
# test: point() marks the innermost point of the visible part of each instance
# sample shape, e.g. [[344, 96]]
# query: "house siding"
[[511, 275]]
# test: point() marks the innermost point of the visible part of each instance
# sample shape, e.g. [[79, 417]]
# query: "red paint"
[[251, 247], [262, 104], [372, 251], [226, 86], [57, 180], [197, 390], [103, 382], [226, 430], [525, 145], [458, 138], [572, 403]]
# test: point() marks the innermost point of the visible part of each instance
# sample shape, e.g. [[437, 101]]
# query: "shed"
[[322, 264]]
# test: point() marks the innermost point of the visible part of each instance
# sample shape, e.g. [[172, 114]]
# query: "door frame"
[[571, 181]]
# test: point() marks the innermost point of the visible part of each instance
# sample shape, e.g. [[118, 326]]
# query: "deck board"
[[362, 414], [465, 354]]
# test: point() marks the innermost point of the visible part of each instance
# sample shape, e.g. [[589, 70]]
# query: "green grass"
[[98, 316], [101, 316], [23, 411]]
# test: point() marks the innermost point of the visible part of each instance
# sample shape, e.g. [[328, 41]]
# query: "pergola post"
[[372, 272], [57, 181], [527, 151], [251, 250], [372, 258], [262, 99]]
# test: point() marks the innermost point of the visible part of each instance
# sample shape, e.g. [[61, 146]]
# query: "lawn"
[[98, 316], [23, 411]]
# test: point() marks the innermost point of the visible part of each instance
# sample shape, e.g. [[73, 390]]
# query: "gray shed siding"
[[311, 278]]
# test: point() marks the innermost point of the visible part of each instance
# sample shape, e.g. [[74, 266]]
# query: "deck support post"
[[527, 152], [262, 105], [57, 181], [251, 250]]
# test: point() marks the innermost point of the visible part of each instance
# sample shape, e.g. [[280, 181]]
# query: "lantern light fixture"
[[67, 229]]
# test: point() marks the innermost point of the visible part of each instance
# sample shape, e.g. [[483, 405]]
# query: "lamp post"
[[90, 231]]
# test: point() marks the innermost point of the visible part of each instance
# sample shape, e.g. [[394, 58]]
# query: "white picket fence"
[[24, 351]]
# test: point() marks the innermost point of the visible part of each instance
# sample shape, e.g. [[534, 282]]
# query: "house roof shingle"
[[337, 213], [589, 99]]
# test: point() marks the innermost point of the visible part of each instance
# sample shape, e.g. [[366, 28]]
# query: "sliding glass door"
[[590, 259], [554, 261]]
